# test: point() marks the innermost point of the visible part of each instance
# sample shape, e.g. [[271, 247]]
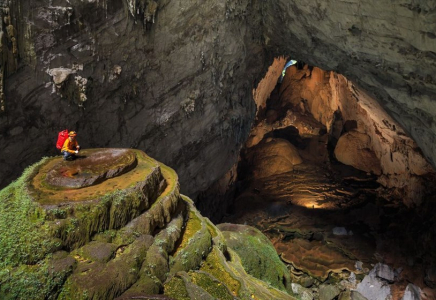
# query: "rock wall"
[[175, 78], [366, 136], [386, 47], [179, 87]]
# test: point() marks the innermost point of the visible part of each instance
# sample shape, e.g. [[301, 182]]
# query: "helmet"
[[72, 133]]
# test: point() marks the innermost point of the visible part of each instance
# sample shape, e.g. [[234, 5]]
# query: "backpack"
[[62, 136]]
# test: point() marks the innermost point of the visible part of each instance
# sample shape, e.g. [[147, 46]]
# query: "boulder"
[[341, 231], [301, 292], [373, 287], [328, 292], [384, 272], [412, 292]]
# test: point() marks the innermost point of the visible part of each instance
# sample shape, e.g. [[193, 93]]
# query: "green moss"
[[144, 286], [176, 289], [214, 287], [157, 260], [98, 280], [211, 228], [24, 236], [258, 256], [193, 225], [196, 244], [31, 282], [214, 266]]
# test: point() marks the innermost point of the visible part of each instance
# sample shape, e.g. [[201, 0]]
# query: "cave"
[[327, 173], [306, 128]]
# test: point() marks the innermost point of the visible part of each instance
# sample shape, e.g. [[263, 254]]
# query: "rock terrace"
[[91, 167]]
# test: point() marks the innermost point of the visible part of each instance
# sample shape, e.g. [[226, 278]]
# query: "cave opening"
[[335, 182]]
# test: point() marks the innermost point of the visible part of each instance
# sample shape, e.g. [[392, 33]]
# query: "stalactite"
[[146, 9]]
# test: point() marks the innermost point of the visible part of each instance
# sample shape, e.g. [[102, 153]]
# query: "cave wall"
[[388, 48], [351, 116], [179, 88]]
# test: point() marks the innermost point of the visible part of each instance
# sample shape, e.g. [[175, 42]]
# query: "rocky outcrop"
[[127, 235]]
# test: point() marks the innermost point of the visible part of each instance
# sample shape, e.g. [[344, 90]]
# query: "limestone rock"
[[333, 37], [345, 295], [342, 107], [412, 292], [130, 235], [60, 75], [91, 167], [274, 156], [353, 148], [316, 258], [384, 272], [133, 97], [303, 293], [374, 288], [257, 254], [341, 231], [351, 295], [328, 292], [355, 295]]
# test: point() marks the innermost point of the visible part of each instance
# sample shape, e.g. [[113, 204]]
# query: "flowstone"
[[91, 167], [112, 224]]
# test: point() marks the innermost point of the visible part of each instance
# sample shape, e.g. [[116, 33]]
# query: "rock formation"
[[181, 72], [350, 200], [386, 48], [311, 103], [129, 234], [151, 75]]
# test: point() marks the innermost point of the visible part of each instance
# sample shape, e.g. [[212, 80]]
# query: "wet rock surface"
[[91, 167]]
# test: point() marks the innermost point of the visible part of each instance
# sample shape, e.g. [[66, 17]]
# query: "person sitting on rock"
[[70, 147]]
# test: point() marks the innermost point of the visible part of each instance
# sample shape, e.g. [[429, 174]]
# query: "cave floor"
[[328, 220]]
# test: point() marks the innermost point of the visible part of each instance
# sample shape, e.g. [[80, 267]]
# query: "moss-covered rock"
[[129, 235], [195, 244], [257, 253]]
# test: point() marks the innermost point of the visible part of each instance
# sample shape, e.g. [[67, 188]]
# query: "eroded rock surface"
[[157, 77], [128, 74], [274, 156], [330, 221], [130, 236], [91, 167], [354, 149], [386, 47]]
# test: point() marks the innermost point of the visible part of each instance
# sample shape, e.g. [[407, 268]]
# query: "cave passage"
[[335, 183]]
